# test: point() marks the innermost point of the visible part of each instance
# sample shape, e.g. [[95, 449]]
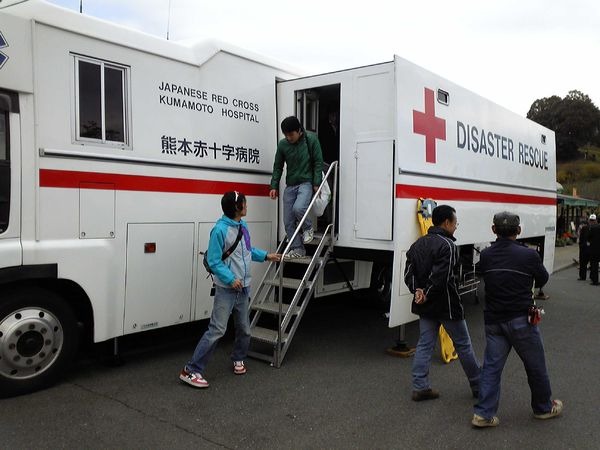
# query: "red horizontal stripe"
[[437, 193], [123, 182]]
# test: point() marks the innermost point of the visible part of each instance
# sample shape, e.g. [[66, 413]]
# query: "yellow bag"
[[446, 346], [425, 207]]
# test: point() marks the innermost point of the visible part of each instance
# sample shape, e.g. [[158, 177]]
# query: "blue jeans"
[[295, 203], [226, 301], [457, 330], [527, 341]]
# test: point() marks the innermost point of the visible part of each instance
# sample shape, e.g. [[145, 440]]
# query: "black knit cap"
[[506, 219]]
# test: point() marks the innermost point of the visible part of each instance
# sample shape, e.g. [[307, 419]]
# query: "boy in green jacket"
[[301, 152]]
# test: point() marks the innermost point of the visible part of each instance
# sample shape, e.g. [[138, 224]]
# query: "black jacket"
[[594, 240], [431, 264], [584, 234], [509, 270]]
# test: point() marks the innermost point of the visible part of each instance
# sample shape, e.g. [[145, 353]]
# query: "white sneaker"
[[308, 236], [293, 254], [557, 407]]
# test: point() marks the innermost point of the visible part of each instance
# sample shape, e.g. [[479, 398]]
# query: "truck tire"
[[381, 283], [38, 340]]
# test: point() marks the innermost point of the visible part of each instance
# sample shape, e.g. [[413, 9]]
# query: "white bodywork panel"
[[374, 190], [366, 116], [10, 242], [16, 72], [477, 182], [96, 210]]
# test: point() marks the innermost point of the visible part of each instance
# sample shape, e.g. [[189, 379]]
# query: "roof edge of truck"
[[195, 52]]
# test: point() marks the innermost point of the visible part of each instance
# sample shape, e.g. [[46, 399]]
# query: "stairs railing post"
[[277, 356], [334, 204]]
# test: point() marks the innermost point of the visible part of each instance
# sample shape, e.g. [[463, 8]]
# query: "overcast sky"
[[511, 51]]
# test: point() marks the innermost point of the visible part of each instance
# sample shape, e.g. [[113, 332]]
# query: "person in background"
[[594, 241], [510, 270], [229, 258], [300, 151], [431, 263], [584, 249], [329, 136]]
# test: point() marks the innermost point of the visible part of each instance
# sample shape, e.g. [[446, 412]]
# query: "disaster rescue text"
[[488, 143]]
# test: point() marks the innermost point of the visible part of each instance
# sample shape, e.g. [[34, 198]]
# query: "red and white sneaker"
[[239, 368], [193, 379]]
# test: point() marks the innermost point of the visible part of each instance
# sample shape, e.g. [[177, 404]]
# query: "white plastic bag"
[[322, 200]]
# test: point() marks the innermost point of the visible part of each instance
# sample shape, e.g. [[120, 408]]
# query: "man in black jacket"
[[594, 240], [430, 275], [509, 271], [584, 249]]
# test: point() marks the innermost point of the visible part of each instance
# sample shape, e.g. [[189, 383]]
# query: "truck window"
[[101, 101], [4, 171]]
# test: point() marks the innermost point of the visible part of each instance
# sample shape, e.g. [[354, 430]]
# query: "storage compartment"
[[158, 285]]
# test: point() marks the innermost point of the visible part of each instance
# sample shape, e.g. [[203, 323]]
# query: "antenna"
[[168, 20], [80, 6]]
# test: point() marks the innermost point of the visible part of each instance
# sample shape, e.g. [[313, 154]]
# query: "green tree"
[[575, 120]]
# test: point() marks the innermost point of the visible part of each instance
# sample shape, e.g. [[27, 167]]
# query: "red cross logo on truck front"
[[429, 125]]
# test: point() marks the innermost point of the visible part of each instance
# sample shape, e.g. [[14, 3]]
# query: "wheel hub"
[[30, 341]]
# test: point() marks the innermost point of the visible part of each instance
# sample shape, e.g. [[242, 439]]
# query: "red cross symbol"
[[429, 125]]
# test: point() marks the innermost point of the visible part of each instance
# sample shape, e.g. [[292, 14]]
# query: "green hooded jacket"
[[302, 166]]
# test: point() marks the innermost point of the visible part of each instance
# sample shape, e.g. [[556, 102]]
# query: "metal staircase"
[[287, 287]]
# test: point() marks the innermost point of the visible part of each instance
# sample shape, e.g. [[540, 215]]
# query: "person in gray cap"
[[594, 240], [509, 270]]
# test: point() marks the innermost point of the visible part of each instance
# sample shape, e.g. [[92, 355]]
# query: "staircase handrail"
[[332, 169]]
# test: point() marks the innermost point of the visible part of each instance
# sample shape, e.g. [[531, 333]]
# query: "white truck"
[[116, 146]]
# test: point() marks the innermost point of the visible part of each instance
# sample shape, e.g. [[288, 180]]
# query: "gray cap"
[[506, 219]]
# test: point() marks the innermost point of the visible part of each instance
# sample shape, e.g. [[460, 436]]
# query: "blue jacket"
[[237, 265], [509, 271]]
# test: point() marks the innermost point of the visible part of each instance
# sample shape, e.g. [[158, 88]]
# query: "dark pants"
[[527, 341], [594, 268], [458, 332], [584, 259]]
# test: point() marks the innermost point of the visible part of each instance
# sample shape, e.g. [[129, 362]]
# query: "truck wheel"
[[381, 283], [38, 339]]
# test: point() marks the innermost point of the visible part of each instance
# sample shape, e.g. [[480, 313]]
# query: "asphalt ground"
[[337, 388]]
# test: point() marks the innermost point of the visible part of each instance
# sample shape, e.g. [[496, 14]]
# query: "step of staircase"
[[267, 335], [290, 283], [305, 260], [273, 308]]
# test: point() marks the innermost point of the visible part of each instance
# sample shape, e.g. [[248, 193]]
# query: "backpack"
[[225, 255]]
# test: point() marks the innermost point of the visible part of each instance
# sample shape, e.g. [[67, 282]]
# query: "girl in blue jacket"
[[232, 288]]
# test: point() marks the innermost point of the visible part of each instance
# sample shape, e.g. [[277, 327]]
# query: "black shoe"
[[426, 394], [594, 283], [580, 279]]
